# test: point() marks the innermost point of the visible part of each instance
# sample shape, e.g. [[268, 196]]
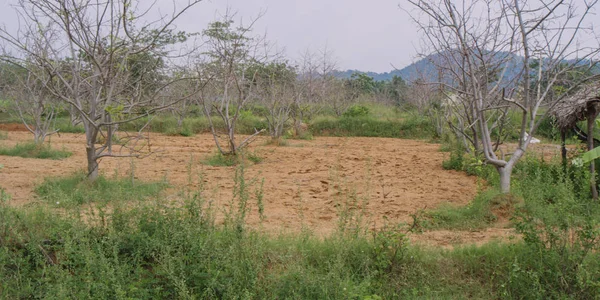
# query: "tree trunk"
[[92, 162], [591, 119], [505, 175], [180, 122], [38, 137]]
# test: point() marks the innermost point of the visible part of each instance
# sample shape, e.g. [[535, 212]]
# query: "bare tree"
[[105, 61], [276, 83], [480, 42], [233, 53], [34, 105], [313, 86]]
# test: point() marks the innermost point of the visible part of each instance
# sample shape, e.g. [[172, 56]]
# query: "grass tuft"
[[220, 160]]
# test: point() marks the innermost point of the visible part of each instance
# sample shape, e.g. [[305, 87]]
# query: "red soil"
[[306, 183]]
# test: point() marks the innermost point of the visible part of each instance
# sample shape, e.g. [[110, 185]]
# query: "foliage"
[[356, 111], [31, 150]]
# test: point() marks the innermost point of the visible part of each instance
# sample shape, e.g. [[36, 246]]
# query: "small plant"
[[3, 135], [31, 150], [253, 157], [389, 248]]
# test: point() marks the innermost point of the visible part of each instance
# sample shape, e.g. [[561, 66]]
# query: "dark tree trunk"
[[591, 119], [563, 148]]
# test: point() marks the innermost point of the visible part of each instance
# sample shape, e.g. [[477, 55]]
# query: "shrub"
[[356, 111]]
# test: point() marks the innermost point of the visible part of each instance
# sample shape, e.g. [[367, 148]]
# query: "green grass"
[[64, 125], [154, 249], [77, 190], [479, 213], [220, 160], [545, 189], [168, 125], [163, 252], [31, 150], [3, 135], [414, 126]]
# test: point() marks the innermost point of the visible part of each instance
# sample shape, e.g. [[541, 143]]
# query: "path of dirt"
[[305, 183]]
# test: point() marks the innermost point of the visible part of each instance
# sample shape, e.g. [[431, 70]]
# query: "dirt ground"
[[306, 183]]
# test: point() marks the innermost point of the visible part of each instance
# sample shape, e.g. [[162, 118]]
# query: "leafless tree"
[[232, 56], [277, 83], [107, 60], [479, 42], [314, 85], [34, 105]]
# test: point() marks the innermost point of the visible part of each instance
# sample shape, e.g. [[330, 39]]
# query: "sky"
[[365, 35]]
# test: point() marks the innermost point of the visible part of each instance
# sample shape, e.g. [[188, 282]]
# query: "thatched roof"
[[574, 108]]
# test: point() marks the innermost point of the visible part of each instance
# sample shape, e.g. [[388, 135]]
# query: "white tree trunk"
[[505, 176]]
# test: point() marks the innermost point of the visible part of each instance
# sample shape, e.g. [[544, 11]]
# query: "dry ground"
[[305, 183]]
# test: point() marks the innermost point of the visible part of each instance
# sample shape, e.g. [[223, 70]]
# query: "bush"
[[356, 111], [31, 150], [152, 252]]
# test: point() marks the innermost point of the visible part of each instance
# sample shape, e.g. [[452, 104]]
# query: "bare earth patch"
[[305, 183]]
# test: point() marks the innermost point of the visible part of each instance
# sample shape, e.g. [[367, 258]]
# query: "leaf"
[[589, 156]]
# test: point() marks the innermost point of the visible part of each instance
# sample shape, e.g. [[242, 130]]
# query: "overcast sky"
[[364, 35]]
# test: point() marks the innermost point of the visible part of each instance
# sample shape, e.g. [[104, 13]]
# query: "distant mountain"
[[426, 68], [409, 73]]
